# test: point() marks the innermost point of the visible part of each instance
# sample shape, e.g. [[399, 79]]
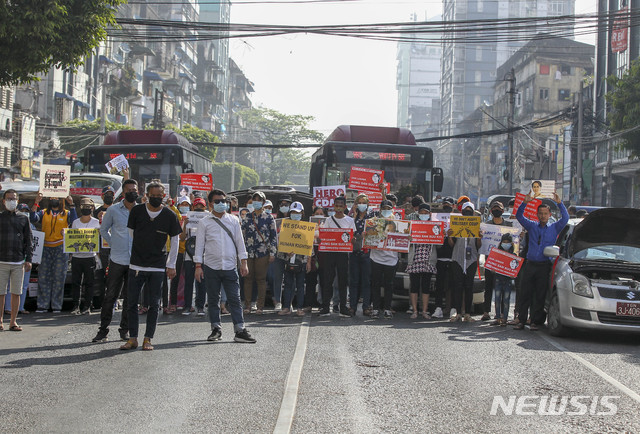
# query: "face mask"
[[11, 204], [506, 246], [284, 209], [220, 207], [257, 205], [331, 213], [496, 212], [424, 216], [183, 209], [155, 201], [55, 203], [447, 209], [85, 211], [108, 200], [296, 216], [467, 213], [131, 196], [386, 213], [362, 207]]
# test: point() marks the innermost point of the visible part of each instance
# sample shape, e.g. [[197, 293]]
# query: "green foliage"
[[77, 134], [195, 134], [35, 36], [245, 177], [270, 127], [624, 100]]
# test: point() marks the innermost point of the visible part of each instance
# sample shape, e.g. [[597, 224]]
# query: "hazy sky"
[[335, 79]]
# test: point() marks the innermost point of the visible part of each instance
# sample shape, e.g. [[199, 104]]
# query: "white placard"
[[443, 217], [37, 245], [541, 189], [55, 180], [492, 234], [117, 164]]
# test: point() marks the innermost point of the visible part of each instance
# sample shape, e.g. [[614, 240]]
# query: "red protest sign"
[[324, 196], [399, 213], [427, 232], [197, 181], [365, 180], [531, 211], [335, 240], [503, 263]]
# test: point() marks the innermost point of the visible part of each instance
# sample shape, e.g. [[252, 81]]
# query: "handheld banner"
[[365, 180], [542, 188], [427, 232], [117, 164], [492, 234], [37, 245], [296, 237], [55, 181], [324, 196], [503, 263], [387, 234], [465, 226], [398, 213], [335, 240], [443, 217], [531, 210], [197, 181], [81, 240]]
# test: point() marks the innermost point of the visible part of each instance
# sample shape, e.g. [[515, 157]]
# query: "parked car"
[[91, 184], [596, 279]]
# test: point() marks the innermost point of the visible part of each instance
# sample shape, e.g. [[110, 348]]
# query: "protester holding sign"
[[15, 255], [188, 235], [360, 259], [295, 268], [421, 267], [83, 265], [53, 268], [443, 266], [497, 208], [383, 271], [276, 268], [503, 286]]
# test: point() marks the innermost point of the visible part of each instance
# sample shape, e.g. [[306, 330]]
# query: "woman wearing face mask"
[[199, 206], [284, 205], [497, 208], [315, 273], [421, 266], [275, 273], [53, 268], [383, 269], [296, 266], [360, 259], [503, 286], [83, 265]]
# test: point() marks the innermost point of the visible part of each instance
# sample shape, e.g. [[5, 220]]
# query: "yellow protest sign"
[[296, 237], [81, 240], [465, 226]]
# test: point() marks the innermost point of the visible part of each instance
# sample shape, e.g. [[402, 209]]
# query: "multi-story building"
[[6, 109]]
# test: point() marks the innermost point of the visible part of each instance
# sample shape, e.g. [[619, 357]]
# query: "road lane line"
[[618, 385], [290, 398]]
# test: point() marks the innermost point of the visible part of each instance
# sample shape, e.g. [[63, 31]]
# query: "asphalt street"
[[317, 375]]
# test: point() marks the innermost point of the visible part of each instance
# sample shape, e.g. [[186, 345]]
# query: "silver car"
[[595, 282]]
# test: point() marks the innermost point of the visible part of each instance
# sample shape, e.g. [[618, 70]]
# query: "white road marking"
[[618, 385], [290, 398]]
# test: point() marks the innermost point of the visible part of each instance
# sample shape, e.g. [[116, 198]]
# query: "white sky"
[[335, 79]]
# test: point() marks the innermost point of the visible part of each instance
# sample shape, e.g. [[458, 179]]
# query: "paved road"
[[358, 375]]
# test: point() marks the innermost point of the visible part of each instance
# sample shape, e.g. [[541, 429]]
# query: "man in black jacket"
[[15, 254]]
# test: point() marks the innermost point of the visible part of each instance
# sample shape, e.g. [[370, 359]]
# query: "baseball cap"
[[297, 207], [463, 198], [424, 206], [497, 204], [23, 207], [386, 203], [86, 201], [183, 199], [448, 200], [285, 198], [268, 203], [468, 205], [108, 189], [199, 201]]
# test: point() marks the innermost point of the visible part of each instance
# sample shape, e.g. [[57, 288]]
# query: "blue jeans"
[[293, 281], [23, 296], [152, 282], [214, 280], [502, 293], [52, 273], [359, 280]]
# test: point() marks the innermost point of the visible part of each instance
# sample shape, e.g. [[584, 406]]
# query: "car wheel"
[[554, 323]]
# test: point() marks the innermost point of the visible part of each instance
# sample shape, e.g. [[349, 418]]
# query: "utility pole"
[[103, 105], [579, 156], [512, 110]]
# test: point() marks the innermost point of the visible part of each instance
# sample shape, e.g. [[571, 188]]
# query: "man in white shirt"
[[219, 247], [336, 261], [83, 265]]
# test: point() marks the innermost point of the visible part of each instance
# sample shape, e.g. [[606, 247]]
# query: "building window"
[[480, 6], [544, 93], [544, 69], [478, 78], [479, 53], [566, 70], [564, 94], [519, 99]]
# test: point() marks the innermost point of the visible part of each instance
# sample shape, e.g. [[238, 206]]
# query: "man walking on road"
[[535, 276], [219, 247], [115, 232]]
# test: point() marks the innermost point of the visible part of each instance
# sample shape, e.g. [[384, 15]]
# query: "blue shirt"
[[541, 236], [114, 231]]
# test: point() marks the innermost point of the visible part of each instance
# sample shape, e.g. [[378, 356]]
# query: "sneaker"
[[467, 318], [41, 310], [455, 318], [375, 314], [454, 313], [254, 307], [186, 312], [124, 335], [278, 307], [57, 311], [216, 335], [74, 311], [388, 314], [335, 308], [345, 313], [244, 337], [100, 337], [200, 312], [410, 310], [85, 312], [437, 313], [324, 312]]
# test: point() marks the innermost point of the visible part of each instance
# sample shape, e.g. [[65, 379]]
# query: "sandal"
[[485, 317], [15, 328], [284, 312], [173, 309], [246, 311], [131, 344], [496, 322], [142, 310], [24, 312], [146, 345], [519, 326], [414, 315], [426, 315], [1, 328]]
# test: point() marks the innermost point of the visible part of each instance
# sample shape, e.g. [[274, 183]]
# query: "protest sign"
[[398, 213], [542, 188], [197, 181], [183, 191], [335, 240], [443, 217], [33, 286], [427, 232], [296, 237], [503, 263], [55, 180], [387, 234], [117, 164], [324, 196], [365, 180], [81, 240], [492, 234], [194, 218], [37, 244], [465, 226], [104, 244], [531, 210]]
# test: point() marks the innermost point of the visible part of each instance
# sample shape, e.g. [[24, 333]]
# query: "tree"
[[195, 134], [245, 177], [77, 134], [35, 36], [270, 127], [625, 107]]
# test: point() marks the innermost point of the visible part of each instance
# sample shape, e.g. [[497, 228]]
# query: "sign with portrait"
[[388, 234], [364, 179], [427, 232], [503, 263], [541, 189], [197, 181], [335, 240]]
